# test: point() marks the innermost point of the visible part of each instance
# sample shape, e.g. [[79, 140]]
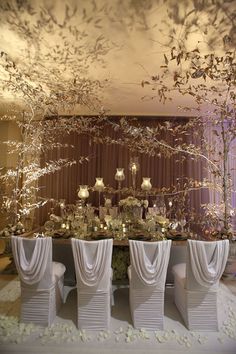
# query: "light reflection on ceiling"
[[118, 44]]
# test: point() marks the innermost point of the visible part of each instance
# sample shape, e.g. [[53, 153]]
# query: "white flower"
[[130, 202]]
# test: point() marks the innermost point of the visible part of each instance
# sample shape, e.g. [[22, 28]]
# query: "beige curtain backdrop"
[[103, 161]]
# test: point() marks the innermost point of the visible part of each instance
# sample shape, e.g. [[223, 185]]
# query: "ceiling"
[[103, 49]]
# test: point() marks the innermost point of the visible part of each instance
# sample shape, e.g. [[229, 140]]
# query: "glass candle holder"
[[99, 187], [146, 184], [99, 184], [83, 192], [119, 176]]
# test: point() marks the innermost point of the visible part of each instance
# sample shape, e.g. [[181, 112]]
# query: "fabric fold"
[[149, 272], [91, 271], [207, 272], [31, 271]]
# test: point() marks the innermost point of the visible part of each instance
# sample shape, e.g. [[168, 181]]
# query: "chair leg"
[[59, 290], [67, 290], [180, 300]]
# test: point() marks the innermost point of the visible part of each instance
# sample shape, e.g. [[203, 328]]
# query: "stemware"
[[182, 223]]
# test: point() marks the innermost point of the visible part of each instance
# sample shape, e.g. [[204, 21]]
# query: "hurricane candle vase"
[[83, 193], [134, 167], [99, 187], [119, 177]]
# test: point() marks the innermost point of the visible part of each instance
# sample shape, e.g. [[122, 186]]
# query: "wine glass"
[[182, 223]]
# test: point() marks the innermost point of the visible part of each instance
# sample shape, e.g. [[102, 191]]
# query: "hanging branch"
[[209, 78]]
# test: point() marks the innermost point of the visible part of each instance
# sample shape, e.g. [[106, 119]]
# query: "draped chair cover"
[[91, 260], [196, 283], [94, 282], [147, 275], [208, 272], [31, 270], [150, 271], [41, 279]]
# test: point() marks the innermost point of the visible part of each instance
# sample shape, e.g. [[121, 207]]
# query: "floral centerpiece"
[[129, 203], [157, 223], [11, 229], [162, 221], [131, 208]]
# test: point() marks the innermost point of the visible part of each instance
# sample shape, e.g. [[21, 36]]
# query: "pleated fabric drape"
[[32, 270], [150, 271], [90, 269], [208, 272]]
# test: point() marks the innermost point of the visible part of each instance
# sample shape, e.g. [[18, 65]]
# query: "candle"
[[134, 168]]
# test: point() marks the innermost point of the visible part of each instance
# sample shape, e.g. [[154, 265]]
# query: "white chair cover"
[[150, 271], [196, 283], [41, 279], [91, 263], [147, 275], [31, 271], [94, 276], [208, 272]]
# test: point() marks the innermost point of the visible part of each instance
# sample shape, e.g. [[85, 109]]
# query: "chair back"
[[92, 263], [206, 261], [33, 260], [149, 262]]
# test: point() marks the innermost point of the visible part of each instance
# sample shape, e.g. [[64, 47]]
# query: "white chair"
[[196, 283], [41, 279], [147, 275], [94, 275]]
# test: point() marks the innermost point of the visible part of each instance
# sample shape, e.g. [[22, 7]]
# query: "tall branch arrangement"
[[208, 76], [52, 78]]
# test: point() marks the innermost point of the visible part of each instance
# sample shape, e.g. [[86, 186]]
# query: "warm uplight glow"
[[146, 184], [83, 192], [119, 176], [99, 185]]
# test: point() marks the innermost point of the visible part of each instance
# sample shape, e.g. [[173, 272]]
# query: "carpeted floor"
[[64, 338]]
